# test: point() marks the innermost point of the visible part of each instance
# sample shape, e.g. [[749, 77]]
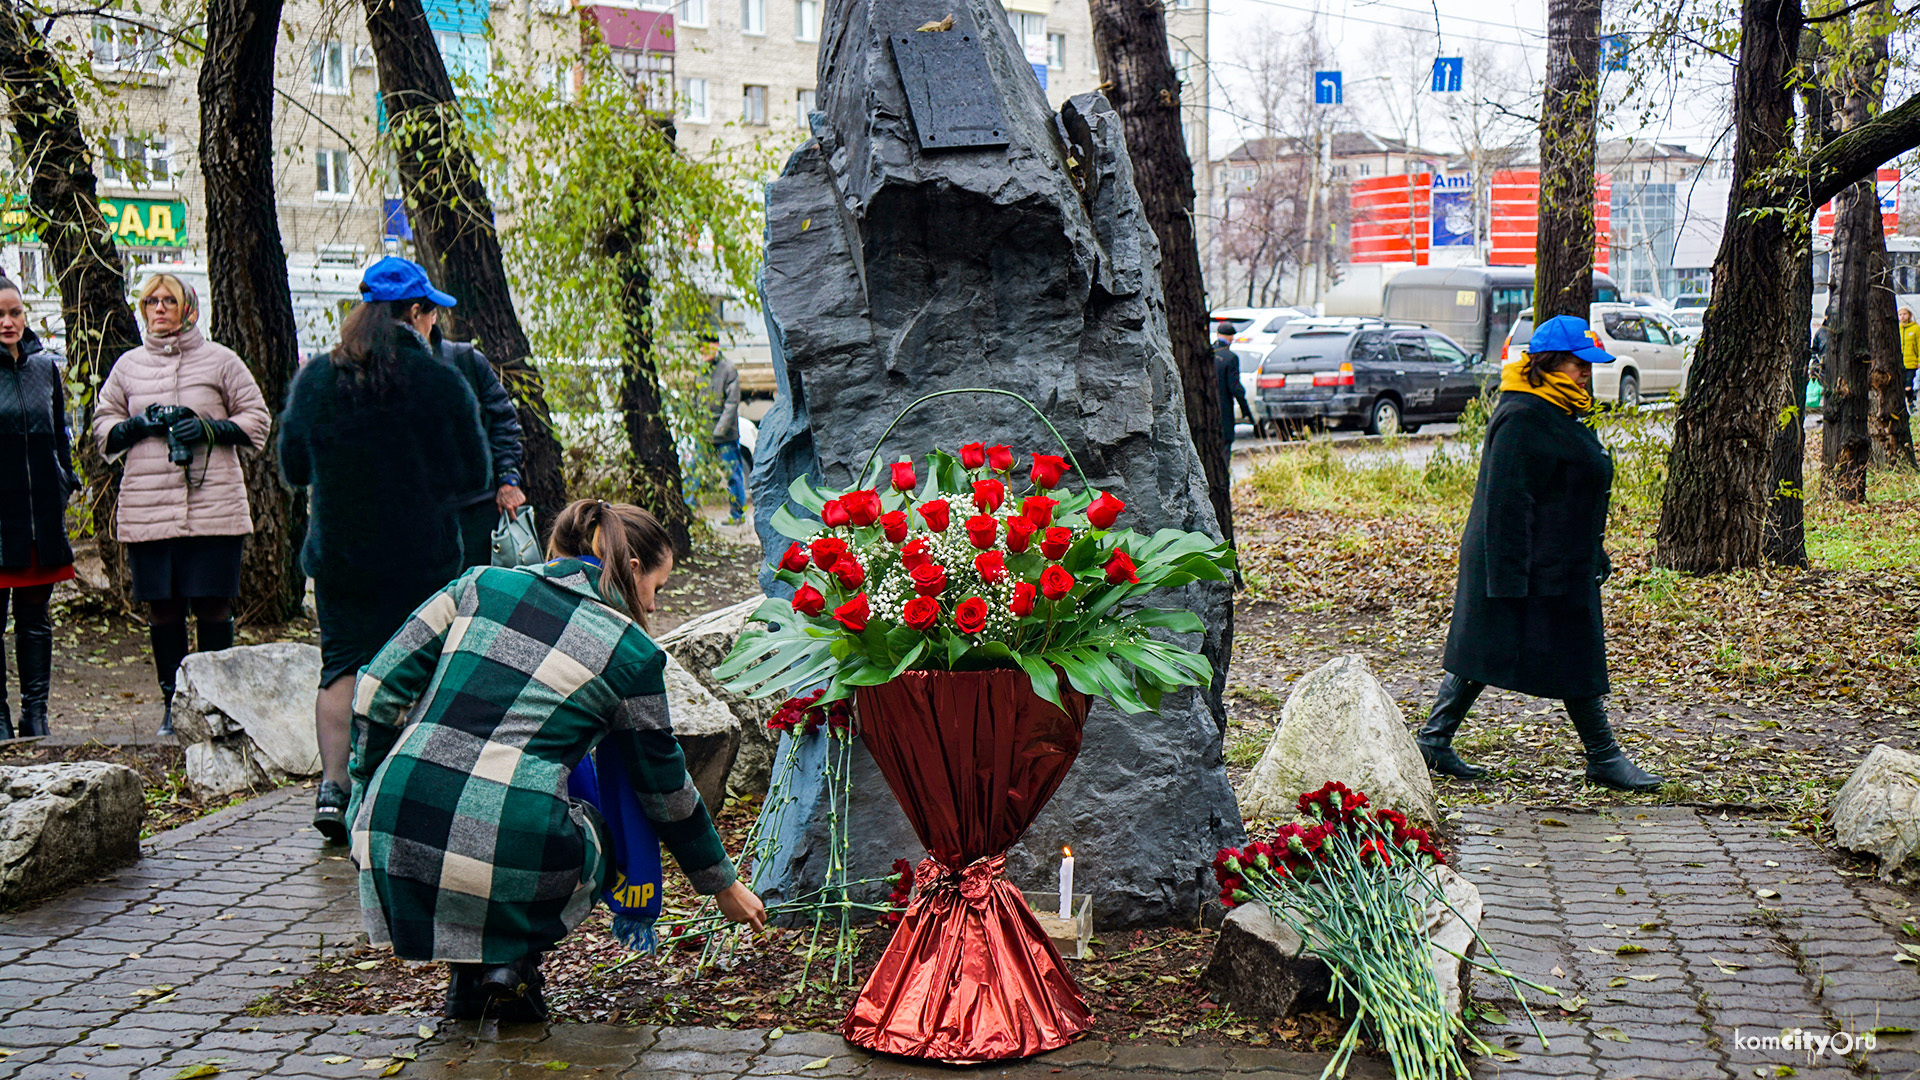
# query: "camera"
[[178, 452]]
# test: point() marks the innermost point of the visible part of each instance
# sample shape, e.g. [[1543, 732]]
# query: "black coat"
[[36, 459], [1226, 369], [388, 476], [1526, 609], [497, 413]]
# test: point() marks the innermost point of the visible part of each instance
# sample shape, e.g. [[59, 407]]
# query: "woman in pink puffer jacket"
[[179, 408]]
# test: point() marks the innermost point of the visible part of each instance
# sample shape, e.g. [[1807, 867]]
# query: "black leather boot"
[[33, 654], [214, 636], [1450, 706], [6, 716], [1607, 764], [516, 990], [169, 648], [465, 1001]]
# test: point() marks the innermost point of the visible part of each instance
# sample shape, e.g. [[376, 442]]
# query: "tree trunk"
[[252, 311], [1563, 282], [1717, 499], [64, 201], [1784, 543], [1889, 425], [1845, 449], [453, 229], [1136, 70]]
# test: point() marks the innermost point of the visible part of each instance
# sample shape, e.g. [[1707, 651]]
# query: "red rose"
[[903, 479], [991, 564], [849, 571], [808, 600], [971, 616], [989, 494], [1104, 509], [1056, 542], [1000, 458], [1120, 568], [1048, 470], [934, 513], [835, 514], [929, 579], [973, 455], [1019, 534], [921, 613], [981, 530], [1055, 582], [913, 554], [826, 550], [1022, 603], [853, 614], [894, 524], [1038, 509], [863, 507], [795, 559]]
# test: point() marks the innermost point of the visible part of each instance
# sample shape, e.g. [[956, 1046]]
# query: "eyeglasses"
[[160, 300]]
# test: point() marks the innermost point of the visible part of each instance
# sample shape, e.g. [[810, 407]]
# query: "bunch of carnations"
[[805, 714], [902, 882], [960, 564], [1355, 882]]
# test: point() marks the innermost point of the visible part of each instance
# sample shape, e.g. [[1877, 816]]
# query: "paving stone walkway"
[[149, 972]]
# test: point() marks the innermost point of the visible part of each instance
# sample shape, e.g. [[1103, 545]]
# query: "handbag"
[[515, 541]]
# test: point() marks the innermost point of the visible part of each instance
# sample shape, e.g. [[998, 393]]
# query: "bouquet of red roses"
[[963, 567]]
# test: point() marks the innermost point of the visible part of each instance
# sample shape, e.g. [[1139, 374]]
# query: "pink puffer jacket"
[[157, 502]]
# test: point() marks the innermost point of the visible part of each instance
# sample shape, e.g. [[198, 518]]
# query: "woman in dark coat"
[[1526, 609], [36, 476]]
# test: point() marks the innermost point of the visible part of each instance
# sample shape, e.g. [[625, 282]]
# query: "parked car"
[[1384, 377], [1690, 300], [1256, 326], [1651, 356]]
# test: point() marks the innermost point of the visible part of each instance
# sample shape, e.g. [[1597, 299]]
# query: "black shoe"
[[1442, 761], [169, 648], [33, 654], [1607, 764], [330, 812], [1435, 740], [516, 990], [1621, 774], [166, 716], [465, 1001]]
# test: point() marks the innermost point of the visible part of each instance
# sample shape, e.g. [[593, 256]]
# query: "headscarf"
[[1560, 388], [169, 344]]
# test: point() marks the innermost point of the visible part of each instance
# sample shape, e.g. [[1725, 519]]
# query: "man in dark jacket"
[[1226, 368], [481, 509], [723, 404]]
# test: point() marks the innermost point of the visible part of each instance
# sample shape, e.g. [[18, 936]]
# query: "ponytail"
[[616, 534]]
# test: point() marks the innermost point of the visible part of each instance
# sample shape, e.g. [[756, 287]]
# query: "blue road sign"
[[1446, 74], [1614, 49], [1326, 88]]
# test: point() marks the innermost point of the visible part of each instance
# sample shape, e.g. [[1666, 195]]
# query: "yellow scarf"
[[1560, 387]]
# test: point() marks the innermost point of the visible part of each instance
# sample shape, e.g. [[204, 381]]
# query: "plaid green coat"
[[466, 725]]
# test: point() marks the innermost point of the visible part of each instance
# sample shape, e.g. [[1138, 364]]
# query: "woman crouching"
[[465, 728]]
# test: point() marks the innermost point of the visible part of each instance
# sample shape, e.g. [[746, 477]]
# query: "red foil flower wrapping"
[[972, 757]]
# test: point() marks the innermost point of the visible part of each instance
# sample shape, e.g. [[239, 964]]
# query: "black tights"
[[173, 610], [29, 602]]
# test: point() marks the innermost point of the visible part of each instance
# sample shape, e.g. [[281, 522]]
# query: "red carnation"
[[863, 507], [808, 600], [826, 549], [1055, 582], [929, 579], [1104, 510], [894, 524], [981, 530], [853, 614], [1038, 509], [991, 564], [1000, 458], [1120, 568], [795, 559], [903, 478], [971, 616], [1019, 533], [921, 613], [913, 554], [1022, 603], [851, 573], [934, 513], [1056, 541], [835, 514], [989, 494], [973, 455], [1048, 470], [1374, 847]]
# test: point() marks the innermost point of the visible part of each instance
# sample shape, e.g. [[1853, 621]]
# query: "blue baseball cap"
[[397, 279], [1567, 333]]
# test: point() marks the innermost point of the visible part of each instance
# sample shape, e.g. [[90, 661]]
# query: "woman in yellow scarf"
[[1526, 608]]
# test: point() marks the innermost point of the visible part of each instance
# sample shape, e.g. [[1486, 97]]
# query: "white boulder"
[[1878, 810], [245, 716], [708, 733], [1340, 724], [701, 644], [65, 822]]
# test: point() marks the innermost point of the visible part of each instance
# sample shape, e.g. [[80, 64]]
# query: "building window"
[[468, 62], [330, 68], [693, 13], [333, 175], [120, 46], [753, 17], [1029, 29], [1183, 66], [133, 161], [753, 105], [650, 74], [1057, 51], [693, 93], [806, 20], [805, 102], [1366, 169], [32, 282]]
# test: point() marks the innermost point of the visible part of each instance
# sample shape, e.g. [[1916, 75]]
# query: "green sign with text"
[[140, 223]]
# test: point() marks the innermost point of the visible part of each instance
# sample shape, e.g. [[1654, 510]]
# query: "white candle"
[[1066, 883]]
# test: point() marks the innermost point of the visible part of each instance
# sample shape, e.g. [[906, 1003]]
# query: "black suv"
[[1385, 377]]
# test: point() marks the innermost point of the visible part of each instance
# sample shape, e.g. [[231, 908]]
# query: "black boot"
[[1450, 706], [214, 636], [465, 1000], [33, 653], [516, 989], [169, 648], [1607, 764]]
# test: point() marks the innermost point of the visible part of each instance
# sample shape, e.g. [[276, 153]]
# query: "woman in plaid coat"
[[466, 726]]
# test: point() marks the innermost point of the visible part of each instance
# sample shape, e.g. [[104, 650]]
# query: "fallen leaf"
[[557, 1066], [775, 1034], [1620, 838], [820, 1064], [367, 965], [192, 1072], [1612, 1034], [1492, 1015], [1727, 966], [1767, 894], [1643, 978], [1557, 973], [1629, 949], [1553, 821], [1616, 982], [337, 1059], [943, 24], [1503, 1055], [425, 1031], [155, 910]]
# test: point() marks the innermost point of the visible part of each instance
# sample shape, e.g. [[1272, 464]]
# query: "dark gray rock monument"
[[944, 228]]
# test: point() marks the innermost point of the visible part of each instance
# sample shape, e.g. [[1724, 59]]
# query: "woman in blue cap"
[[390, 440], [1526, 609]]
